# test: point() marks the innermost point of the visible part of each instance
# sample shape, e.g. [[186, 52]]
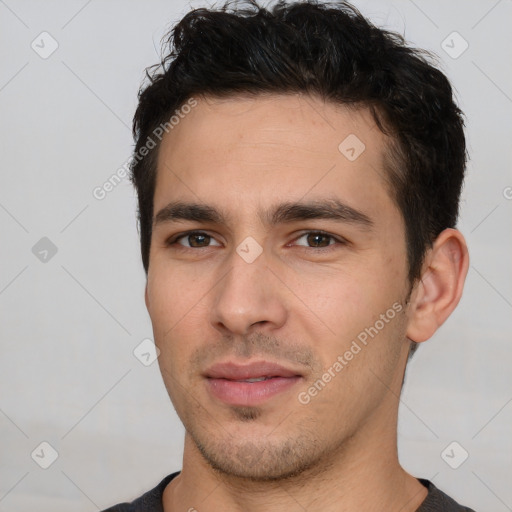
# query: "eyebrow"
[[287, 212]]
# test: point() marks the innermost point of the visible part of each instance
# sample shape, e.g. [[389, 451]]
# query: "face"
[[285, 259]]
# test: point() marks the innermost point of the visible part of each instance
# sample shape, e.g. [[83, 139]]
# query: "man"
[[298, 173]]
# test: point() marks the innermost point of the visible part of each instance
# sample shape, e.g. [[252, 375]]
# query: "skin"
[[296, 304]]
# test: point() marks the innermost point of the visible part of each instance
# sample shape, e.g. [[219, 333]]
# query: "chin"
[[261, 462]]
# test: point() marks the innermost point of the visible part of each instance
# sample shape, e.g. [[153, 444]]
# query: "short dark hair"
[[330, 50]]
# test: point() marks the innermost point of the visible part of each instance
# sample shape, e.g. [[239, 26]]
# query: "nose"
[[249, 296]]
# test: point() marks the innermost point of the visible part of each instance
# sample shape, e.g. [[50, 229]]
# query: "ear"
[[440, 288], [146, 296]]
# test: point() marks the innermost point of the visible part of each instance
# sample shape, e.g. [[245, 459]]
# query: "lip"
[[233, 371], [223, 382]]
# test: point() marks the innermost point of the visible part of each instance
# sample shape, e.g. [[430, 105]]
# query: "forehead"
[[239, 151]]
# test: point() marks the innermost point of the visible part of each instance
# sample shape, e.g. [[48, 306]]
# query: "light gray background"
[[69, 326]]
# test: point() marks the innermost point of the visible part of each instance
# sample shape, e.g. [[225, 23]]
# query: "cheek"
[[170, 306], [340, 298], [173, 292], [360, 361], [345, 306]]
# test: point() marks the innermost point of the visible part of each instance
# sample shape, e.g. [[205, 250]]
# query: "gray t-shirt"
[[151, 501]]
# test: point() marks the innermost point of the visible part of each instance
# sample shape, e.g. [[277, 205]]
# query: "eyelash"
[[173, 240]]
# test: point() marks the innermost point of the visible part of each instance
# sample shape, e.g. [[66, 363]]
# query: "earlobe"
[[440, 288], [146, 296]]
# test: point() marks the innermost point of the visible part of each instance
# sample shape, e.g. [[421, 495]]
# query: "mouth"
[[250, 384]]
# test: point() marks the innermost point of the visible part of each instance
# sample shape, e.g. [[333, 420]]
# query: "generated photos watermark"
[[342, 361], [100, 192]]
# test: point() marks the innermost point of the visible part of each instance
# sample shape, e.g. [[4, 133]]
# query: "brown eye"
[[194, 240], [198, 240], [316, 239]]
